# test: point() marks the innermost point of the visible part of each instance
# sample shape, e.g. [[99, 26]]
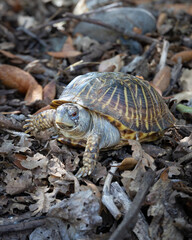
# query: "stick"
[[82, 18], [107, 198], [163, 58], [22, 225], [131, 216]]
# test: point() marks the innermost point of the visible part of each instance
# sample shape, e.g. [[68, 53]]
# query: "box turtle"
[[103, 110]]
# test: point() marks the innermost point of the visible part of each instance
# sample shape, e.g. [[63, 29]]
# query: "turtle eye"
[[73, 113]]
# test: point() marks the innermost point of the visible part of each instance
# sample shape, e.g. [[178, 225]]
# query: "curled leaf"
[[162, 79], [49, 91], [185, 56], [14, 77]]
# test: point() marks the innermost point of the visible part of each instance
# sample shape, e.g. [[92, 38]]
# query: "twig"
[[32, 35], [131, 216], [120, 197], [138, 61], [163, 58], [22, 225], [185, 158], [175, 75], [6, 123], [107, 198], [104, 8], [83, 18]]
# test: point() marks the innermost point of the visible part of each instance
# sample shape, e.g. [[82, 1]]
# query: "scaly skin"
[[90, 156], [41, 121]]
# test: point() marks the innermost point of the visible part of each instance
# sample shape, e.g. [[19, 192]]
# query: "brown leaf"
[[161, 19], [14, 77], [64, 54], [162, 79], [18, 158], [116, 61], [127, 163], [186, 80], [185, 95], [185, 56], [67, 51], [161, 209], [12, 56], [44, 200], [42, 109], [35, 92], [49, 92], [177, 7], [17, 180]]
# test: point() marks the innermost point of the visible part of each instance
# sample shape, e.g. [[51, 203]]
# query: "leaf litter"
[[40, 54]]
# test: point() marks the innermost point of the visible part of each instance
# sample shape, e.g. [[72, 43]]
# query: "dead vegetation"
[[143, 191]]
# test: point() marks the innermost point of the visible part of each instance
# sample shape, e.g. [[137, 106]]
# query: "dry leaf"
[[64, 54], [38, 160], [132, 179], [127, 163], [186, 80], [44, 200], [49, 92], [67, 51], [162, 222], [17, 181], [161, 19], [162, 79], [177, 7], [182, 96], [14, 77], [35, 92], [17, 160], [185, 56], [81, 211], [116, 62], [12, 56]]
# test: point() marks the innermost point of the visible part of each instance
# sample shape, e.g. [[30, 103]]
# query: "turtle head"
[[72, 118]]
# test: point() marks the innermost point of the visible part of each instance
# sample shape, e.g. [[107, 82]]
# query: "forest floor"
[[141, 191]]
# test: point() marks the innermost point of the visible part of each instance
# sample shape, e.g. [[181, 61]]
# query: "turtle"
[[100, 111]]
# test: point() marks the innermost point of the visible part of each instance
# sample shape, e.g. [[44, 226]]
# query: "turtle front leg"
[[90, 156], [41, 121]]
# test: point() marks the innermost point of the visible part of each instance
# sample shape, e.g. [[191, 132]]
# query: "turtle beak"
[[62, 118]]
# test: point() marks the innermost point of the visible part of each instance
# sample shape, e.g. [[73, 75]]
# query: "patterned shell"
[[128, 102]]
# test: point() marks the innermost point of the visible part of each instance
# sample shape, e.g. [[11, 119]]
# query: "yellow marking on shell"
[[140, 110], [108, 102], [128, 85], [100, 99], [117, 103], [153, 100], [126, 101], [158, 124], [87, 95], [83, 90], [136, 90], [147, 112]]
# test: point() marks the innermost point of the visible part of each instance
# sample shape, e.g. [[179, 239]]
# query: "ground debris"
[[142, 191]]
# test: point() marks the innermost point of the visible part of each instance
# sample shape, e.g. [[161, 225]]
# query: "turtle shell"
[[128, 102]]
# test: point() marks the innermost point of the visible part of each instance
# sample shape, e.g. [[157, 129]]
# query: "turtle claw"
[[87, 169], [83, 172], [29, 126]]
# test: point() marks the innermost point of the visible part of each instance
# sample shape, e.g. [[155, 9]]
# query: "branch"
[[131, 216], [83, 18]]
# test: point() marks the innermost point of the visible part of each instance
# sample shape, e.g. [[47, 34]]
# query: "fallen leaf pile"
[[142, 191]]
